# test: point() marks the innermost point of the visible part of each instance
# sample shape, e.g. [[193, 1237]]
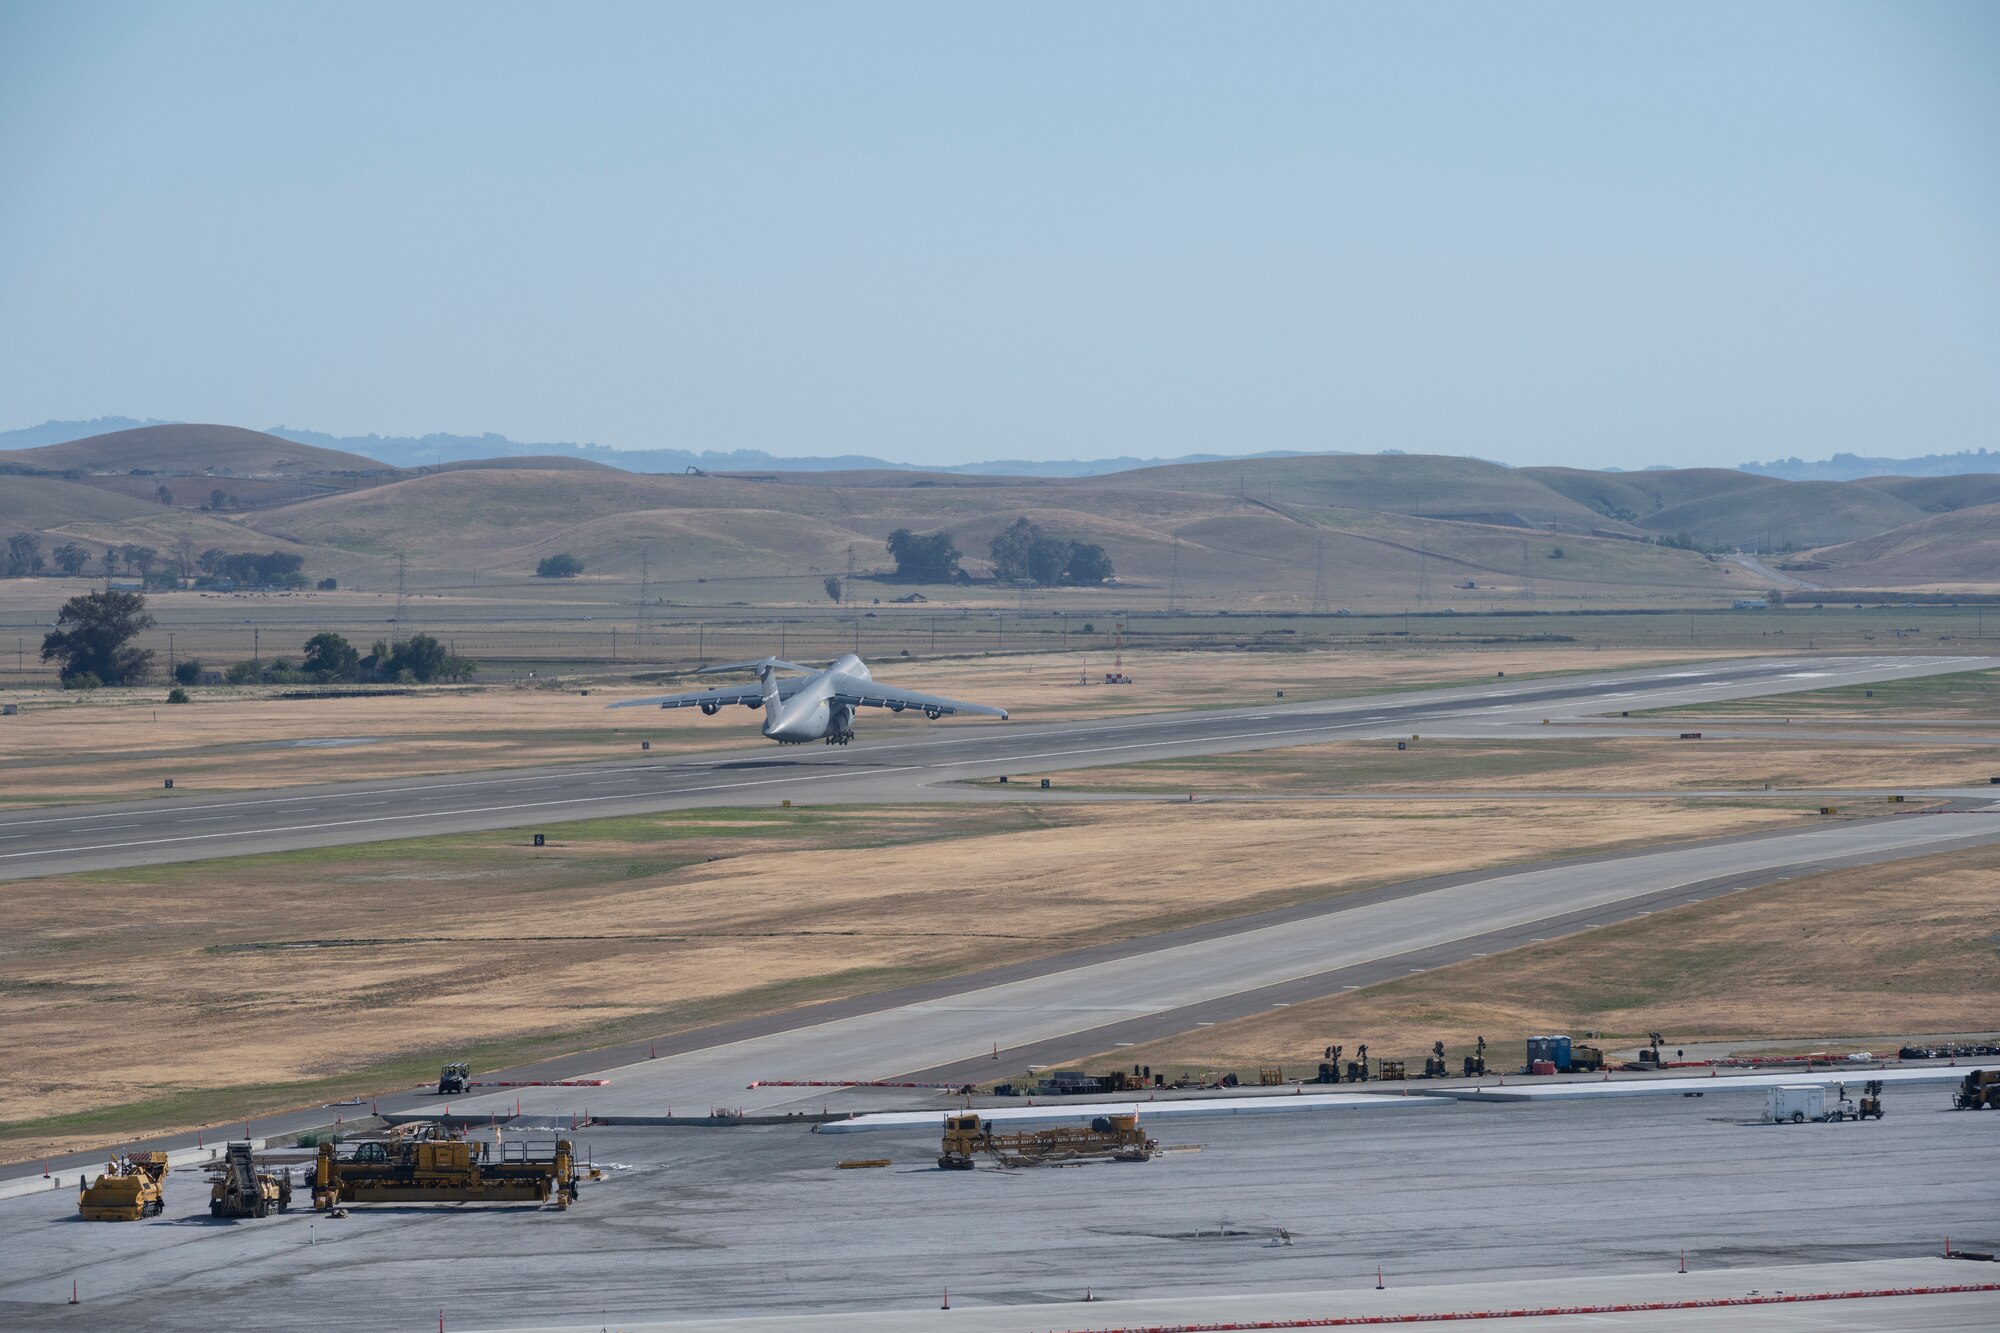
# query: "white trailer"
[[1796, 1104]]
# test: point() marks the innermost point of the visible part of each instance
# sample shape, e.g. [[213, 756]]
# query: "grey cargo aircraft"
[[818, 706]]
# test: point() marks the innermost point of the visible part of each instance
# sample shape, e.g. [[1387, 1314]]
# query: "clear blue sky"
[[1576, 233]]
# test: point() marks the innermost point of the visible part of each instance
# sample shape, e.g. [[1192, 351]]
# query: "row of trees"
[[25, 559], [92, 643], [1022, 552], [330, 659]]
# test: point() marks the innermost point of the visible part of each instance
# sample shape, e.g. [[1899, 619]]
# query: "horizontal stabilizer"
[[757, 665]]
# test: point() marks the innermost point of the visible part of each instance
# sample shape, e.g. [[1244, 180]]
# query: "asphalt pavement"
[[189, 825]]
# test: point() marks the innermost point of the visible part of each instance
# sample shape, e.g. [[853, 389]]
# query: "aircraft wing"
[[859, 693], [752, 693]]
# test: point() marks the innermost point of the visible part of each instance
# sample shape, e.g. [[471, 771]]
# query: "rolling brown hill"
[[1960, 547], [1379, 525], [1939, 495], [1792, 514], [196, 450]]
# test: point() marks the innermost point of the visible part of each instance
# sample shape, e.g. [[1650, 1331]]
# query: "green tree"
[[1047, 558], [1010, 549], [70, 558], [139, 559], [243, 673], [329, 656], [561, 565], [188, 672], [421, 655], [832, 586], [163, 495], [93, 637], [24, 555], [1088, 563], [933, 556]]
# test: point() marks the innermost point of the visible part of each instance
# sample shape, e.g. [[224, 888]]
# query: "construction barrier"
[[1540, 1312], [545, 1083], [847, 1083]]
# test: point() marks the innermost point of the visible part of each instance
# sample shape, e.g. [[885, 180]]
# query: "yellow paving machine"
[[413, 1170], [1108, 1138], [131, 1187]]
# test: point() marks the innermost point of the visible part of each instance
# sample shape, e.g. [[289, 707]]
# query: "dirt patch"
[[134, 987], [1902, 948]]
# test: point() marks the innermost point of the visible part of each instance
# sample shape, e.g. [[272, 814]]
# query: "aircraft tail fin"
[[767, 676]]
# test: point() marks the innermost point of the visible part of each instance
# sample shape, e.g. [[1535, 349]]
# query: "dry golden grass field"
[[165, 997], [1568, 763], [1902, 949], [122, 744]]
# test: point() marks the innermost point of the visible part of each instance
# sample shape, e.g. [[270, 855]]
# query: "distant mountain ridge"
[[1853, 467], [414, 451]]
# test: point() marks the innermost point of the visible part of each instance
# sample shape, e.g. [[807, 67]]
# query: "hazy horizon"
[[1552, 234]]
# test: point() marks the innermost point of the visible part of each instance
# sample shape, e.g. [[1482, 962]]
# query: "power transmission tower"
[[1322, 600], [402, 586], [1174, 580], [645, 626]]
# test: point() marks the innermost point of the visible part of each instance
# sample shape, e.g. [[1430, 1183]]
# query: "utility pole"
[[1527, 578], [1322, 602], [170, 653], [402, 586], [1174, 580], [257, 647]]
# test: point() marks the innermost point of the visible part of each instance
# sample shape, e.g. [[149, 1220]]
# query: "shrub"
[[177, 695], [561, 565], [328, 585]]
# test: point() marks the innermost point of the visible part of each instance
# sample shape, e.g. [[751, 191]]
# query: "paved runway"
[[190, 826], [1228, 970]]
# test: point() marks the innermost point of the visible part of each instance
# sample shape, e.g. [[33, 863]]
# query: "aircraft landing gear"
[[839, 737]]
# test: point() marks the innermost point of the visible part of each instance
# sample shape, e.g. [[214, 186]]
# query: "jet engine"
[[711, 708]]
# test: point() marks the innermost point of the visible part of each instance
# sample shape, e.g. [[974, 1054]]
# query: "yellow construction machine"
[[239, 1189], [444, 1171], [1113, 1138], [131, 1187]]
